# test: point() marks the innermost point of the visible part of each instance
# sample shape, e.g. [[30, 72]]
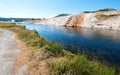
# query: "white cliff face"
[[104, 19], [59, 21]]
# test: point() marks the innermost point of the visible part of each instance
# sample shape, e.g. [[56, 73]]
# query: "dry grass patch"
[[101, 16], [7, 25]]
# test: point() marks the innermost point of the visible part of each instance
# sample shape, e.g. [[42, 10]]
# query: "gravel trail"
[[9, 50]]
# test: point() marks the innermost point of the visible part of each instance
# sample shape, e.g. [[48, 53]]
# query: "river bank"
[[46, 58]]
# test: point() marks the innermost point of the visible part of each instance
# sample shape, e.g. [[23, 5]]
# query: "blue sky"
[[50, 8]]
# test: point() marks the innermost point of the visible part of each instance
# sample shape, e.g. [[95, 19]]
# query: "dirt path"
[[9, 50]]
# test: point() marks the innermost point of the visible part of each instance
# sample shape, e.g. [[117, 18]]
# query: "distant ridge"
[[62, 15], [17, 19], [106, 9]]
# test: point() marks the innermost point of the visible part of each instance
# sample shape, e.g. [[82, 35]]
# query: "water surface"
[[98, 43]]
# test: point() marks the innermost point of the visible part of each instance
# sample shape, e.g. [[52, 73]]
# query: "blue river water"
[[98, 43]]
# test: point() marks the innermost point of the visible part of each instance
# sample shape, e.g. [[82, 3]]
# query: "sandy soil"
[[9, 50]]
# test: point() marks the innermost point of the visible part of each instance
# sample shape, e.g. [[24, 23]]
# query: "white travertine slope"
[[56, 21], [88, 20], [110, 23]]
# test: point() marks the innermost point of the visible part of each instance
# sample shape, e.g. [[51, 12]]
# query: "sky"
[[50, 8]]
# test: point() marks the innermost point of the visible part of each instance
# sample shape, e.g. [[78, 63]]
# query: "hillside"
[[61, 21], [100, 19]]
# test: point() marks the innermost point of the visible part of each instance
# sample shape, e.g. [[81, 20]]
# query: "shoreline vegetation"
[[52, 58]]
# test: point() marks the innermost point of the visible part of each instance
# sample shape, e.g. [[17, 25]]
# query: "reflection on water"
[[99, 43], [96, 33]]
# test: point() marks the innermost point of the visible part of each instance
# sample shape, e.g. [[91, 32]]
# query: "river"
[[98, 43]]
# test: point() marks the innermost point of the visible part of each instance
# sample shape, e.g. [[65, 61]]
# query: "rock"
[[75, 20]]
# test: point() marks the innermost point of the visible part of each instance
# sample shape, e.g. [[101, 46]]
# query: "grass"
[[68, 65], [56, 49], [7, 25], [79, 65], [32, 39]]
